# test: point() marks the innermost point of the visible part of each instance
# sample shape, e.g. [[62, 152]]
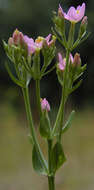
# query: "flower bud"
[[45, 105], [10, 41], [84, 21], [77, 59], [83, 26], [62, 62], [60, 11], [18, 37]]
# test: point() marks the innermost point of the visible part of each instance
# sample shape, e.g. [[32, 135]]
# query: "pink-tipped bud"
[[77, 59], [60, 11], [45, 105], [10, 41], [62, 62], [84, 21], [18, 37]]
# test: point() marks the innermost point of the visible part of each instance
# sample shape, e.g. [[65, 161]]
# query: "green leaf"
[[45, 127], [68, 123], [76, 86], [15, 80], [37, 162], [58, 157]]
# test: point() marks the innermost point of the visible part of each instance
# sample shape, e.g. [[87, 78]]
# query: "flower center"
[[77, 11], [39, 39]]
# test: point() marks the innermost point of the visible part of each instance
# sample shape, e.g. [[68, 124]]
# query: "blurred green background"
[[34, 17]]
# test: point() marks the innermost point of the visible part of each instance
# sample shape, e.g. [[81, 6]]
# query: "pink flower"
[[45, 105], [48, 40], [62, 62], [39, 42], [29, 42], [74, 15]]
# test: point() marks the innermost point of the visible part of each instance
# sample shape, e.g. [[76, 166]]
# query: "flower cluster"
[[18, 39]]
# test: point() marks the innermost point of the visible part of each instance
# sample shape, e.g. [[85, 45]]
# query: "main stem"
[[32, 129], [51, 177]]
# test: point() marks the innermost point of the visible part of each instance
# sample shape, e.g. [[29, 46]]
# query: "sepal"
[[45, 126], [48, 54], [60, 28]]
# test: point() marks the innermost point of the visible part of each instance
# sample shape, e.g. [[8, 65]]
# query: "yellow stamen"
[[77, 11], [39, 39]]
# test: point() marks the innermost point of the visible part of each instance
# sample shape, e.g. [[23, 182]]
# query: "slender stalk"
[[38, 96], [71, 35], [32, 129], [63, 100], [60, 115], [50, 177]]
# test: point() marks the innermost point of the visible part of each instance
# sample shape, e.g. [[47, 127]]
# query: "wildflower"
[[39, 42], [76, 60], [49, 41], [74, 15], [45, 105], [29, 42]]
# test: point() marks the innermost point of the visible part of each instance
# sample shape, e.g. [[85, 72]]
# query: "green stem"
[[32, 129], [60, 115], [71, 35], [38, 96], [63, 100], [50, 177], [51, 182]]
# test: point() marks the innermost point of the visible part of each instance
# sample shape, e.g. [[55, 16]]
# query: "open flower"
[[74, 15], [45, 105], [29, 42], [39, 42]]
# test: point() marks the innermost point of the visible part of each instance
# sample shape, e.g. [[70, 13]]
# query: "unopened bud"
[[60, 12], [10, 41], [84, 21], [83, 26], [17, 37], [77, 59], [45, 105]]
